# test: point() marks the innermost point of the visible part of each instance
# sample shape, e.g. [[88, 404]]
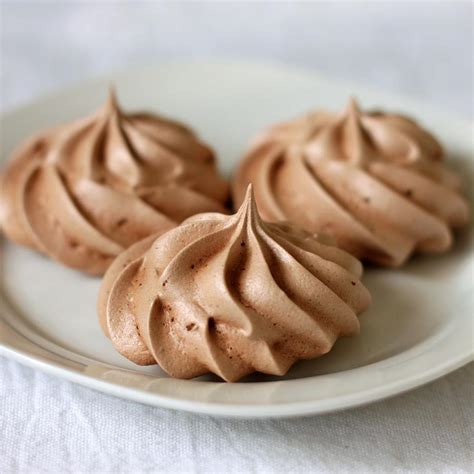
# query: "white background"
[[423, 49]]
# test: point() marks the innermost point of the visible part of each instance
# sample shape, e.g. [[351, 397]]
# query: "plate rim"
[[231, 410], [12, 351]]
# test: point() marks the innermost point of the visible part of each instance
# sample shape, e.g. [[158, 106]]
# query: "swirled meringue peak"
[[84, 191], [230, 295], [375, 181]]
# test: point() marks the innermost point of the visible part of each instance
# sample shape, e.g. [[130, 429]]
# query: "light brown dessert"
[[84, 191], [230, 295], [373, 180]]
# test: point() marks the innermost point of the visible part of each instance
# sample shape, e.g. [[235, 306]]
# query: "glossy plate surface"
[[420, 325]]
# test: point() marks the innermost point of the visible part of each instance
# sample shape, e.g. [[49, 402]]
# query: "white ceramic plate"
[[420, 324]]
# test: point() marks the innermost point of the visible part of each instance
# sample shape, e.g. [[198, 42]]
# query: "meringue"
[[230, 295], [84, 191], [373, 180]]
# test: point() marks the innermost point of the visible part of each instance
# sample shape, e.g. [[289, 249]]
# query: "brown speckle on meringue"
[[373, 180], [84, 191], [196, 300]]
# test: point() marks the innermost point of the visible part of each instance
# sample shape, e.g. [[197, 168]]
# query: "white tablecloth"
[[424, 50], [54, 426]]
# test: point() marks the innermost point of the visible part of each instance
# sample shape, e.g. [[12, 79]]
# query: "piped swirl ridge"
[[84, 191], [230, 295], [373, 180]]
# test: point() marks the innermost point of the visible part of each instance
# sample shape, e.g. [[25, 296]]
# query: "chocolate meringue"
[[230, 295], [375, 181], [84, 191]]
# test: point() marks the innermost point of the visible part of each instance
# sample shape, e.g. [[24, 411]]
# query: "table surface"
[[423, 50]]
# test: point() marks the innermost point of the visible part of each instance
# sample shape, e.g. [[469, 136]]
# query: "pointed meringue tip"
[[112, 98], [249, 193], [352, 105], [248, 204]]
